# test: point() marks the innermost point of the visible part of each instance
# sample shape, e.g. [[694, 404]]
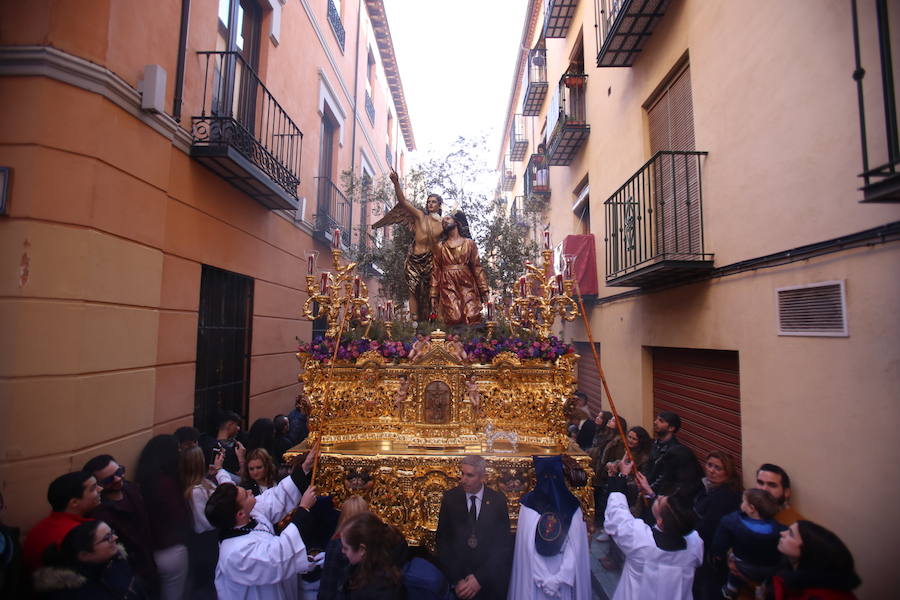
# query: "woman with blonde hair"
[[203, 544], [259, 471], [335, 561]]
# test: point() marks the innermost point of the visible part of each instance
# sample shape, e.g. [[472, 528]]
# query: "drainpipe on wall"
[[179, 66], [355, 108]]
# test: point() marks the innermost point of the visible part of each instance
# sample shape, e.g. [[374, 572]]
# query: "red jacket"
[[50, 530]]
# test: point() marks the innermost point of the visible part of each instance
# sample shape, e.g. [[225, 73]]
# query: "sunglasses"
[[120, 472]]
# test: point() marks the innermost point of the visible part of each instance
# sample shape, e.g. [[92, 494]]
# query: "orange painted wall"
[[110, 223]]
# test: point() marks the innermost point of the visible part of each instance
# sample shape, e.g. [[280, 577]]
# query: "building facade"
[[168, 168], [711, 152]]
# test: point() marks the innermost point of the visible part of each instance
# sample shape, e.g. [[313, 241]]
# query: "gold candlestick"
[[537, 303], [337, 294]]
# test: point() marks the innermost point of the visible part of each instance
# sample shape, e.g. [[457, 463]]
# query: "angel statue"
[[426, 227]]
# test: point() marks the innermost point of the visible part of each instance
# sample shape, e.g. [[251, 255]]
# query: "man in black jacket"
[[474, 544], [122, 508], [673, 468]]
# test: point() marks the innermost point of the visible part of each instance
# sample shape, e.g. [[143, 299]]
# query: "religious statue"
[[426, 227], [458, 283], [420, 346], [402, 393]]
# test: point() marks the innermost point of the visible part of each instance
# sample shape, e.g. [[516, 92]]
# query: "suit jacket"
[[491, 560]]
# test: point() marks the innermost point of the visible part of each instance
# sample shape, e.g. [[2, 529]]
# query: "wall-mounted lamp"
[[5, 173]]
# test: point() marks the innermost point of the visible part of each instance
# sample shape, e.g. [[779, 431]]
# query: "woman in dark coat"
[[88, 565], [720, 495]]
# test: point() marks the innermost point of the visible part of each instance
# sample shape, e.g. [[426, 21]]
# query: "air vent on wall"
[[817, 309]]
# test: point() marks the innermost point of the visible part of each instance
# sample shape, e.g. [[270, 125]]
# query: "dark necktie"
[[473, 514]]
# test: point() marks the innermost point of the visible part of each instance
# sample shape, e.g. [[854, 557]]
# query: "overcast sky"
[[456, 61]]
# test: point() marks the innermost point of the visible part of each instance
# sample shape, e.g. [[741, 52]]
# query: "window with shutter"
[[677, 179]]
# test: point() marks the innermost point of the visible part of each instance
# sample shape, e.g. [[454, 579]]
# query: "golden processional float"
[[394, 429]]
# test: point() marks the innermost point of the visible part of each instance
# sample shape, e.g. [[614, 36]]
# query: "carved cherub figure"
[[401, 395], [420, 346], [474, 394]]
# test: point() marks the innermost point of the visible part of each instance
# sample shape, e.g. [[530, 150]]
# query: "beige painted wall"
[[775, 107]]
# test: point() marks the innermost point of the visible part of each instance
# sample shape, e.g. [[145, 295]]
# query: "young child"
[[752, 534]]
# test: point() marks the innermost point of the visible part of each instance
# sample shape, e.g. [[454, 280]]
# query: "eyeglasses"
[[109, 537], [120, 472]]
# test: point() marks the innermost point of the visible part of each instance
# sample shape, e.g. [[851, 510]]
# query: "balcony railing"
[[537, 176], [244, 135], [507, 175], [332, 211], [881, 183], [625, 27], [654, 223], [558, 16], [517, 214], [570, 129], [535, 82], [518, 143], [334, 19], [370, 108]]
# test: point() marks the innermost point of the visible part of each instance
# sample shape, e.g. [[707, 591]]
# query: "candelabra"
[[541, 296], [337, 292]]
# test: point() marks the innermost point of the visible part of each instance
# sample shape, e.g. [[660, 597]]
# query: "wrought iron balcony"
[[654, 223], [517, 212], [881, 183], [518, 143], [535, 82], [243, 134], [334, 19], [570, 129], [626, 25], [537, 176], [558, 16], [332, 211], [370, 108], [507, 176]]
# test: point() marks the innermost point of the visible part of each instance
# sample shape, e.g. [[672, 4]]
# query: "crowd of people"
[[679, 528], [222, 515]]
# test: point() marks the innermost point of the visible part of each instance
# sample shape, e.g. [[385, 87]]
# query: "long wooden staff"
[[612, 405]]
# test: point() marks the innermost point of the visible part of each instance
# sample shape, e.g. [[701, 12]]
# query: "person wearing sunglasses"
[[88, 563], [123, 508]]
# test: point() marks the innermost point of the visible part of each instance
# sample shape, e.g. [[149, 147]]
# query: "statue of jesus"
[[426, 227]]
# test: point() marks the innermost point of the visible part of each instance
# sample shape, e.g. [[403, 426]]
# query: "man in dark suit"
[[474, 544]]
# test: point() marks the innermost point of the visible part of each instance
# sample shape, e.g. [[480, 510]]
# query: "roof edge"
[[379, 21]]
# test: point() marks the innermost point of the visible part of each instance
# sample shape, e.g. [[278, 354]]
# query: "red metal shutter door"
[[703, 388], [588, 377]]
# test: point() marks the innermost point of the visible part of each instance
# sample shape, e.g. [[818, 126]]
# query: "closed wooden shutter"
[[703, 388], [588, 377], [676, 179]]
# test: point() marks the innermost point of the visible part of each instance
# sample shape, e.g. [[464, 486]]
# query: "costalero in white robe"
[[261, 565], [649, 572], [566, 576]]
